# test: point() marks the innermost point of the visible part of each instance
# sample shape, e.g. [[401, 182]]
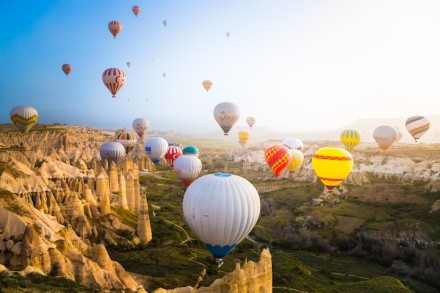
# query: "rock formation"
[[143, 227]]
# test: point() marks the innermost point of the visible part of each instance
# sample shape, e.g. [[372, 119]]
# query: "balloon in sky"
[[417, 126], [332, 165], [297, 158], [140, 125], [114, 80], [385, 136], [156, 148], [278, 158], [207, 84], [67, 69], [164, 75], [191, 150], [187, 168], [165, 23], [350, 138], [173, 152], [128, 140], [221, 209], [228, 34], [226, 114], [115, 27], [293, 143], [250, 121], [399, 134], [112, 151], [128, 64], [136, 10], [24, 118], [243, 136]]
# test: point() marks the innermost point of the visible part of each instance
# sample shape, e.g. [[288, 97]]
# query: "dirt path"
[[290, 289], [174, 224]]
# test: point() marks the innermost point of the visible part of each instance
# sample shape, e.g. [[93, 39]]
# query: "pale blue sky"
[[294, 65]]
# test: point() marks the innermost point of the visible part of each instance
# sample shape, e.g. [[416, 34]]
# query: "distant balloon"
[[164, 75], [207, 84], [332, 165], [385, 136], [417, 126], [187, 168], [112, 151], [136, 10], [221, 209], [297, 158], [128, 140], [67, 69], [226, 114], [156, 148], [228, 34], [24, 118], [293, 143], [399, 134], [250, 121], [173, 152], [165, 23], [278, 158], [114, 80], [140, 125], [350, 138], [191, 150], [115, 27], [243, 136], [128, 64]]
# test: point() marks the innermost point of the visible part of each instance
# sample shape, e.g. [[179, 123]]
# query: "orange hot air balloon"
[[67, 69], [278, 158], [115, 27], [114, 79], [136, 10]]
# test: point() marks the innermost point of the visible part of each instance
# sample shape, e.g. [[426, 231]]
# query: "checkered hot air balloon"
[[350, 138], [278, 158], [114, 80], [417, 126], [226, 114], [115, 27]]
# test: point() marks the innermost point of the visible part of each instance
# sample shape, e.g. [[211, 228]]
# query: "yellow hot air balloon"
[[350, 138], [296, 161], [207, 84], [243, 136], [332, 165]]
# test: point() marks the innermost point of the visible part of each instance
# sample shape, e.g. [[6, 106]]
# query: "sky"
[[295, 65]]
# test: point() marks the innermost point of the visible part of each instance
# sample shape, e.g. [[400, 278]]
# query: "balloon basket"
[[219, 262]]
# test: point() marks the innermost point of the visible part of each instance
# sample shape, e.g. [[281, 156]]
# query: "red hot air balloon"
[[114, 79], [278, 158], [136, 10], [172, 154], [67, 68], [115, 27]]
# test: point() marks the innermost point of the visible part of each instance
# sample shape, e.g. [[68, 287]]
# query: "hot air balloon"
[[417, 126], [156, 148], [187, 168], [250, 121], [115, 27], [226, 114], [297, 158], [243, 136], [228, 34], [112, 151], [164, 75], [399, 134], [165, 23], [172, 154], [332, 165], [278, 158], [385, 136], [128, 140], [67, 69], [114, 80], [191, 150], [350, 138], [140, 125], [221, 209], [128, 64], [207, 84], [24, 118], [293, 143], [136, 10]]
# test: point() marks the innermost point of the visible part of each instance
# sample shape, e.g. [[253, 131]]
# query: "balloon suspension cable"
[[226, 134], [114, 96]]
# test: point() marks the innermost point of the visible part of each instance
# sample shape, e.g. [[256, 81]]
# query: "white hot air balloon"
[[226, 114], [187, 168], [221, 209], [128, 64], [156, 148], [112, 151], [24, 118], [140, 126], [385, 136], [293, 143]]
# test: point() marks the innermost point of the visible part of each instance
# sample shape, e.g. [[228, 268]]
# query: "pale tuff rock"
[[143, 226], [105, 201], [105, 164], [113, 177], [12, 224], [101, 184], [137, 195], [87, 195], [130, 191], [122, 193]]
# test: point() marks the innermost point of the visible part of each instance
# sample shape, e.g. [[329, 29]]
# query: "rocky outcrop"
[[143, 227]]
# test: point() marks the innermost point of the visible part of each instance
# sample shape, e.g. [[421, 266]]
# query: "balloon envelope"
[[385, 136], [24, 118], [293, 143], [207, 84], [128, 140], [67, 69], [228, 34], [173, 152], [187, 168], [112, 151], [128, 64], [156, 148], [115, 27], [136, 10], [221, 209], [277, 157], [243, 137], [226, 114], [114, 80], [297, 158], [250, 121], [399, 134], [350, 138], [417, 126], [191, 150], [140, 125], [165, 23]]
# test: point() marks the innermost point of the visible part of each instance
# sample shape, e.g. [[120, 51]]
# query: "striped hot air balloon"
[[67, 69], [172, 154], [278, 158], [191, 150], [128, 140], [385, 136], [115, 27], [297, 158], [332, 165], [417, 126], [350, 138], [24, 118], [136, 10], [226, 114], [243, 137], [112, 151], [114, 80], [187, 168]]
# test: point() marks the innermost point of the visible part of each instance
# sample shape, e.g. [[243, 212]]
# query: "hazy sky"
[[294, 65]]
